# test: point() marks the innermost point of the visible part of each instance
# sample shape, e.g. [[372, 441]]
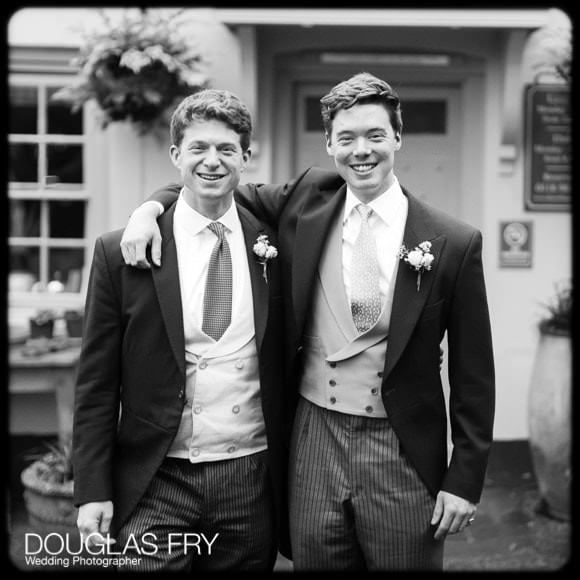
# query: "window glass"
[[60, 119], [23, 162], [24, 218], [428, 117], [65, 266], [65, 164], [23, 116], [67, 219], [24, 268], [313, 118]]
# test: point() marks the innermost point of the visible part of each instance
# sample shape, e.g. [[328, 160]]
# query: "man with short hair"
[[373, 279], [180, 431]]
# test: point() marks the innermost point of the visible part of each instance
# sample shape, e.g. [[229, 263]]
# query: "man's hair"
[[211, 104], [361, 89]]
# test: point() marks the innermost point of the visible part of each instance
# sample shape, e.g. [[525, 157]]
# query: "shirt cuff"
[[159, 205]]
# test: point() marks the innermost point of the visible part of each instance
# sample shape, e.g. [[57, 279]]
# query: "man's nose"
[[211, 158], [361, 147]]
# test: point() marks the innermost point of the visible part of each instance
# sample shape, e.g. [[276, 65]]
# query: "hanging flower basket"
[[135, 70]]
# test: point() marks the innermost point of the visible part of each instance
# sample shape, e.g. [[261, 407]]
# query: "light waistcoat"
[[222, 417], [343, 369]]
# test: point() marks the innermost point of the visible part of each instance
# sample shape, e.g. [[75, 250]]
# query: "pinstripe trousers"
[[184, 500], [356, 503]]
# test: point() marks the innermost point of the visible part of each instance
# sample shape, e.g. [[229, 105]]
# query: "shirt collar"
[[387, 205], [193, 222]]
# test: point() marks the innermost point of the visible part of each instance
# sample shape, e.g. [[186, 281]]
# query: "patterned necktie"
[[365, 301], [217, 302]]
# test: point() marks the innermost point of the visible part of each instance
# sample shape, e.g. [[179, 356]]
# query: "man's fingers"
[[156, 249], [443, 528], [140, 257], [125, 253], [105, 523], [437, 511]]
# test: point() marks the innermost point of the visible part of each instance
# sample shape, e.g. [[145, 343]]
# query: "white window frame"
[[34, 67]]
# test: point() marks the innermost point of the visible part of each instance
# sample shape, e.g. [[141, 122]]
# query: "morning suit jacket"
[[451, 298], [131, 383]]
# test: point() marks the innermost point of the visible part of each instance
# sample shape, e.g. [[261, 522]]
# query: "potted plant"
[[550, 406], [48, 491], [74, 323], [42, 324], [135, 69]]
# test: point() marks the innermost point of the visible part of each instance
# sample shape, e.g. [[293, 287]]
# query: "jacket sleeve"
[[98, 386], [471, 378], [166, 195], [267, 201]]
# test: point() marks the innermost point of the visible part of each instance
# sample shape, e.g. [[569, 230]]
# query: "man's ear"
[[174, 155], [398, 141], [329, 147], [246, 156]]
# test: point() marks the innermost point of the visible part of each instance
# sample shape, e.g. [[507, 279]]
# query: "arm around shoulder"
[[166, 195]]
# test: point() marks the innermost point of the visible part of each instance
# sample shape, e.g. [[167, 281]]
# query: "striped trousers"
[[213, 516], [356, 503]]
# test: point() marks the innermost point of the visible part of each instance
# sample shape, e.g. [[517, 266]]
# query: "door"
[[428, 163]]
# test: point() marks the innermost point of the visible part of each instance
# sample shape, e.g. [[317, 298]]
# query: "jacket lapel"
[[252, 228], [321, 207], [407, 300], [331, 281], [166, 281]]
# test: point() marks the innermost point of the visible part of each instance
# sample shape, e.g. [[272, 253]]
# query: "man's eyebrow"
[[369, 130], [220, 144]]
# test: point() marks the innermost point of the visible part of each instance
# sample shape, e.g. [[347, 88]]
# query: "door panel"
[[428, 163]]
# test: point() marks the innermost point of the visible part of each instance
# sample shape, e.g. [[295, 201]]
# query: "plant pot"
[[74, 327], [550, 423], [49, 505], [41, 330]]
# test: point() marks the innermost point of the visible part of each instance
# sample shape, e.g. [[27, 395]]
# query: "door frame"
[[466, 72]]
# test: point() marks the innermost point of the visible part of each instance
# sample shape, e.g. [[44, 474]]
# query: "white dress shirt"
[[387, 224], [222, 417]]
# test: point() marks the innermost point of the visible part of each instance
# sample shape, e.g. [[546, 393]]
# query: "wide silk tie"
[[365, 302], [217, 301]]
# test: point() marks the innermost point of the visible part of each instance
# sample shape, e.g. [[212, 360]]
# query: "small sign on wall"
[[515, 246], [548, 148]]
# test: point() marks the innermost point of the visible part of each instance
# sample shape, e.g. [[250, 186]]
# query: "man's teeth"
[[363, 167], [210, 177]]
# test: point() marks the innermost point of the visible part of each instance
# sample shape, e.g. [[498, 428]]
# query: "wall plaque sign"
[[548, 148], [515, 244]]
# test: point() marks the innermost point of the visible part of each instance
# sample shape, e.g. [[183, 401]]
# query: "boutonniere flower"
[[420, 258], [265, 252]]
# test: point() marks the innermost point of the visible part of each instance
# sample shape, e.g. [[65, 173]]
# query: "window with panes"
[[47, 191]]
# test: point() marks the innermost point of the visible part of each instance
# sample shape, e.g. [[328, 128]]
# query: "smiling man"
[[373, 279], [179, 423]]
